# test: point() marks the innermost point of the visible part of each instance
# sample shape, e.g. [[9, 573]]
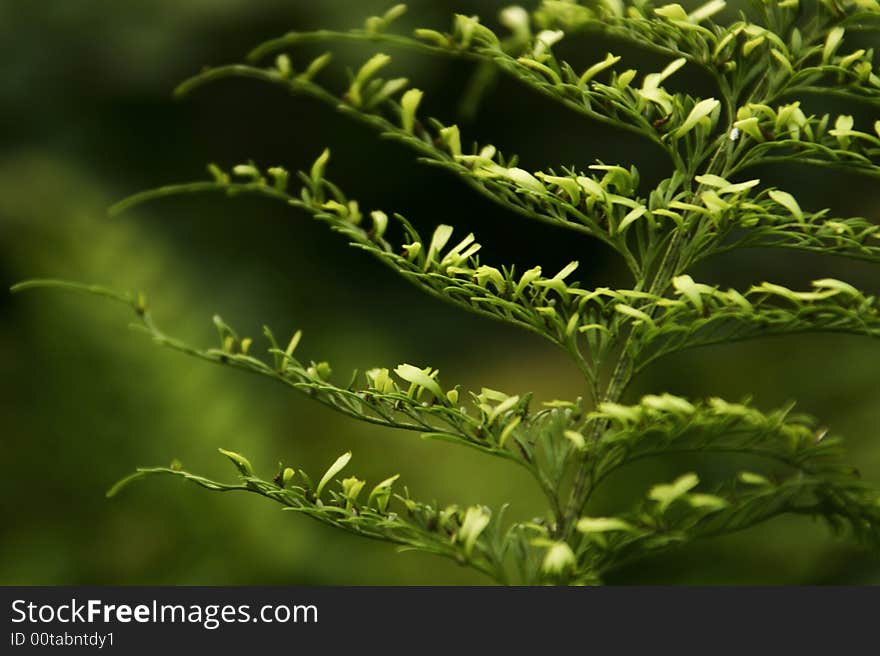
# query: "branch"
[[486, 170], [672, 515], [411, 400], [470, 537], [667, 424]]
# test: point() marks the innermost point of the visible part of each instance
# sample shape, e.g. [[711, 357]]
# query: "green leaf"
[[335, 468], [688, 288], [603, 525], [577, 439], [631, 217], [832, 43], [559, 559], [475, 521], [750, 478], [409, 104], [666, 494], [439, 240], [788, 202], [351, 488], [634, 313], [700, 111], [416, 376], [381, 494], [526, 180], [708, 502], [241, 463]]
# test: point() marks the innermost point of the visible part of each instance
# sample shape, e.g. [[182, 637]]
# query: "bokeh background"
[[86, 118]]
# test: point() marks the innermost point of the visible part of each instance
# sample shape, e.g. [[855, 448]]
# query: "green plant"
[[764, 64]]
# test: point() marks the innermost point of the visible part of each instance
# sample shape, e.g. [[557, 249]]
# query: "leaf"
[[416, 376], [666, 494], [439, 240], [609, 61], [788, 202], [708, 502], [335, 468], [526, 180], [240, 462], [630, 311], [508, 430], [832, 43], [566, 271], [351, 488], [558, 559], [409, 104], [315, 66], [381, 494], [632, 217], [706, 11], [475, 521], [319, 167], [836, 286], [603, 525], [673, 12], [750, 478], [688, 288], [576, 438], [700, 111], [452, 138]]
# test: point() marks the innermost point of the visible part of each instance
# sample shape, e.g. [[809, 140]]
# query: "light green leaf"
[[351, 488], [688, 288], [632, 217], [673, 12], [577, 439], [666, 494], [416, 376], [788, 202], [558, 559], [335, 468], [708, 502], [836, 286], [566, 271], [700, 111], [832, 43], [526, 180], [451, 136], [409, 105], [603, 525], [240, 462], [438, 242], [750, 478], [381, 494], [706, 11], [635, 313], [475, 521]]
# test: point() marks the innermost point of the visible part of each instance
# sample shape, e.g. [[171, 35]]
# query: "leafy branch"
[[765, 65]]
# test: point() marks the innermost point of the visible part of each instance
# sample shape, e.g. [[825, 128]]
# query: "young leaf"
[[416, 376], [334, 469], [475, 521], [241, 463]]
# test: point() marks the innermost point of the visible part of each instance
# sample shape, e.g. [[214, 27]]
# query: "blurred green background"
[[87, 118]]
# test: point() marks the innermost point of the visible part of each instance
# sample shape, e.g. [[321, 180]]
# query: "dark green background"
[[86, 118]]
